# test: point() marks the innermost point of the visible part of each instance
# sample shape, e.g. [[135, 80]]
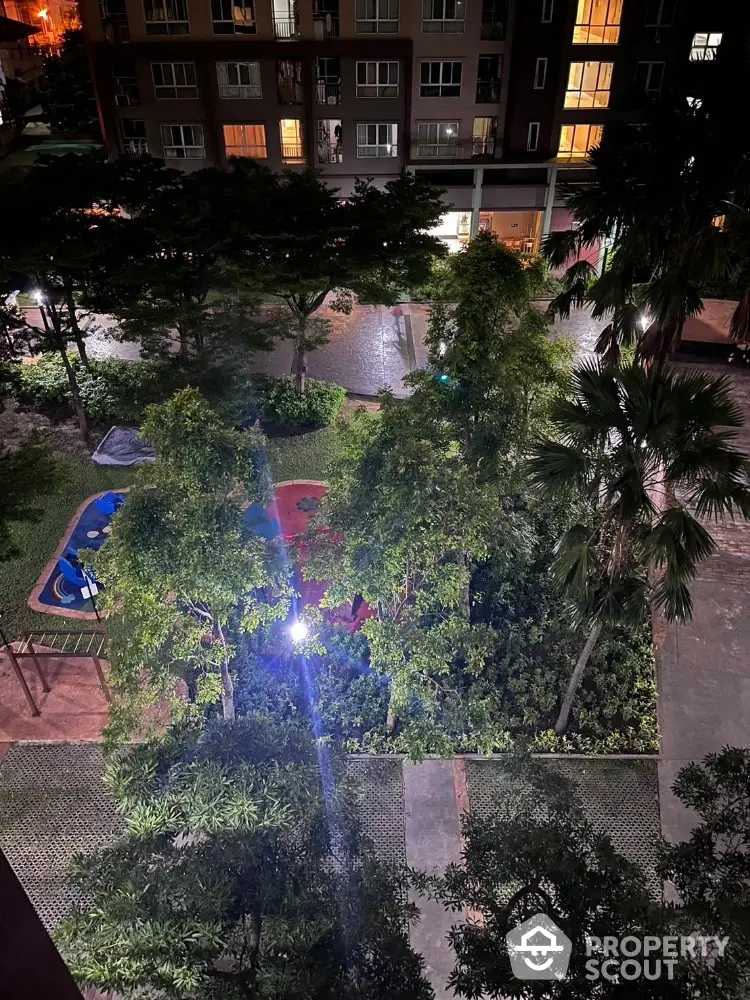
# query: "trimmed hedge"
[[279, 403]]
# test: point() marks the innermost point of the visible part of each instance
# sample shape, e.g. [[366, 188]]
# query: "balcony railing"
[[325, 25], [116, 31], [464, 150], [483, 147], [328, 91], [330, 154], [126, 93], [492, 31], [293, 153], [135, 147], [488, 91], [285, 27]]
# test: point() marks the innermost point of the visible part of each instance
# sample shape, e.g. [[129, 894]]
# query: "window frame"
[[540, 73], [444, 25], [705, 48], [228, 25], [564, 154], [175, 86], [379, 25], [532, 137], [440, 84], [300, 143], [173, 25], [451, 145], [243, 89], [133, 145], [586, 27], [185, 146], [377, 145], [548, 11], [650, 63], [659, 5], [602, 67], [253, 146], [379, 87]]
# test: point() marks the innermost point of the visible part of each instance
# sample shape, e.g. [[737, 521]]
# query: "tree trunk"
[[562, 721], [227, 693], [75, 328], [299, 357], [392, 717], [55, 335]]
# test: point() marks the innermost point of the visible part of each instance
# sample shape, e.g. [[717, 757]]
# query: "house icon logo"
[[538, 949]]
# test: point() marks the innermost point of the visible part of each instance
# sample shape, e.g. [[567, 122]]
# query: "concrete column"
[[476, 201], [549, 201]]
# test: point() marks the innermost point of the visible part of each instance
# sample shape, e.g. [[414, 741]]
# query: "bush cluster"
[[278, 402]]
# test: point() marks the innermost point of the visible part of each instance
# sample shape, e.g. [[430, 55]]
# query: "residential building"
[[20, 73], [497, 100]]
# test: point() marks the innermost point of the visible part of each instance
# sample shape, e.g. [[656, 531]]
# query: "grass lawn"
[[300, 457]]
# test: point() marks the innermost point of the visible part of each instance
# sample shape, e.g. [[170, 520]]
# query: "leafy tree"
[[538, 852], [241, 875], [401, 525], [25, 474], [67, 95], [492, 368], [302, 242], [182, 572], [643, 448], [671, 196]]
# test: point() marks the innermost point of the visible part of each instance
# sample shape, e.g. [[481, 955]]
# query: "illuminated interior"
[[589, 84], [517, 230], [290, 133], [577, 140], [245, 140], [597, 22]]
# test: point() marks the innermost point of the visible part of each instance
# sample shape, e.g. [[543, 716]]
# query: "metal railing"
[[488, 91], [328, 91], [285, 27], [293, 153], [330, 154], [463, 150], [483, 147], [492, 31], [135, 147], [325, 25]]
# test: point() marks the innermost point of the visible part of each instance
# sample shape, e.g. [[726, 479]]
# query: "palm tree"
[[640, 450], [669, 200]]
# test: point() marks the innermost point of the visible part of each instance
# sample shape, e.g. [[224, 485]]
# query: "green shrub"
[[43, 382], [279, 403]]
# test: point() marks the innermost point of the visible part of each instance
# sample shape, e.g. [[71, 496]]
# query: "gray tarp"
[[123, 446]]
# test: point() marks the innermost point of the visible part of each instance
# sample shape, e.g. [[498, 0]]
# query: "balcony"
[[135, 147], [330, 154], [436, 151], [328, 91], [285, 27], [488, 91], [293, 153], [126, 93], [325, 25], [483, 148], [116, 31], [492, 31]]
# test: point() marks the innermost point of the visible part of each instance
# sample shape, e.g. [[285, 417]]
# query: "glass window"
[[330, 149], [174, 80], [437, 138], [494, 18], [377, 140], [377, 16], [440, 79], [289, 81], [377, 79], [548, 10], [540, 73], [597, 22], [166, 17], [133, 136], [577, 140], [705, 46], [483, 136], [589, 84], [443, 15], [183, 142], [532, 137], [232, 17], [290, 136], [660, 13], [239, 79], [245, 140], [649, 76]]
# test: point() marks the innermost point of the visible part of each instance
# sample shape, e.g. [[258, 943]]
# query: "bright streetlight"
[[298, 630]]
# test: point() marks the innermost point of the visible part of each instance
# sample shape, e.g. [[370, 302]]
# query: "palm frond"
[[575, 564], [677, 541], [739, 324], [576, 282], [554, 466], [716, 499], [559, 247], [607, 345], [673, 599], [706, 255]]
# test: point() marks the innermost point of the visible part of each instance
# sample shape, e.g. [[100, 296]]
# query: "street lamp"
[[298, 630]]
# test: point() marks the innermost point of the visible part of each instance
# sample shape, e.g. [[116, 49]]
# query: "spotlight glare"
[[298, 630]]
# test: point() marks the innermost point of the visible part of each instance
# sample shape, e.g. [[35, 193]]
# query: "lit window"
[[437, 138], [694, 102], [532, 137], [174, 80], [330, 149], [377, 16], [705, 46], [576, 141], [540, 73], [290, 135], [233, 17], [245, 140], [483, 136], [239, 79], [649, 77], [380, 140], [589, 85], [377, 79], [440, 79], [166, 17], [597, 22], [444, 15], [183, 142]]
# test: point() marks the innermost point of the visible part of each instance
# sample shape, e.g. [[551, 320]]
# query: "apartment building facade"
[[496, 100]]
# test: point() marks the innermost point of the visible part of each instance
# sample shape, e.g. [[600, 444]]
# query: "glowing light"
[[644, 320], [43, 13], [37, 295], [298, 631]]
